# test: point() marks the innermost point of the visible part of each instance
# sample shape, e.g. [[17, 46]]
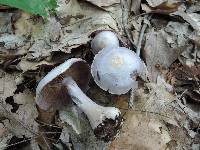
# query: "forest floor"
[[166, 108]]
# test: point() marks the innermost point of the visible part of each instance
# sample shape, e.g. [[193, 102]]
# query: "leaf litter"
[[165, 113]]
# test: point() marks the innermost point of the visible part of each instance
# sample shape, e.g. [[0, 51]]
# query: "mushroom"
[[63, 82], [51, 94], [104, 39], [105, 121], [115, 69]]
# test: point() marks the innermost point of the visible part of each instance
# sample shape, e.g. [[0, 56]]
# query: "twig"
[[125, 21], [9, 145], [26, 140], [151, 112], [46, 142], [138, 49], [142, 34], [136, 16], [141, 38], [146, 111]]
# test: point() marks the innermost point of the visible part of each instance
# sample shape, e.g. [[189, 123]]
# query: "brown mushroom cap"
[[51, 94]]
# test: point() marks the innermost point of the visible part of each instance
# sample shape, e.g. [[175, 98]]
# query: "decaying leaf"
[[71, 117], [158, 100], [8, 85], [44, 35], [27, 111], [154, 3], [5, 22], [145, 121], [5, 136], [158, 53], [142, 132], [10, 41], [164, 7], [194, 7], [191, 18], [21, 122], [135, 6], [104, 3], [186, 80], [158, 118]]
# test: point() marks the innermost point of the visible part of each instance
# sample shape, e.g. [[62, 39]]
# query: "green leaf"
[[39, 7]]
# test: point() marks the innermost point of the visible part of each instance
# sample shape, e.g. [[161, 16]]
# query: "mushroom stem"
[[105, 121]]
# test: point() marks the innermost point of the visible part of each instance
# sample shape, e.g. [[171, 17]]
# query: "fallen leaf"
[[5, 23], [22, 121], [71, 117], [11, 41], [103, 3], [192, 18], [139, 127], [8, 85], [161, 6], [5, 136], [65, 136], [158, 53], [185, 80], [135, 6], [154, 3]]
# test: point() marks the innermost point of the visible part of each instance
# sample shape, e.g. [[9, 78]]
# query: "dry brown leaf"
[[145, 122], [157, 121], [185, 80], [194, 7], [5, 136], [103, 3], [93, 21], [135, 6], [162, 8], [158, 100], [177, 34], [143, 132], [26, 65], [158, 54], [12, 41], [164, 46], [8, 85], [155, 3], [192, 18], [24, 122], [76, 21], [5, 22]]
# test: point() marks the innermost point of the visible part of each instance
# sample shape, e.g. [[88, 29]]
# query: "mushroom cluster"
[[65, 83], [114, 69]]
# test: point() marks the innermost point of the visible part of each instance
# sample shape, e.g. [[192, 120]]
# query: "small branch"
[[125, 22], [17, 143], [141, 35], [140, 39], [46, 124]]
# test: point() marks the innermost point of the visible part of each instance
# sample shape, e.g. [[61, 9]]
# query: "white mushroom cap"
[[115, 69], [55, 72], [104, 39], [50, 94]]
